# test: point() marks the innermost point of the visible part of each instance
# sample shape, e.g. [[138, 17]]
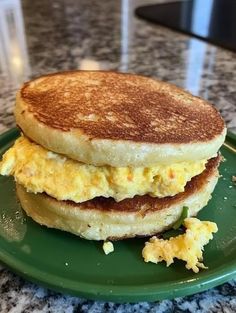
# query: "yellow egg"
[[108, 247], [40, 170], [187, 247]]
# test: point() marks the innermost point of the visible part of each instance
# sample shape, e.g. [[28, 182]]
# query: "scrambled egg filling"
[[187, 247], [40, 170]]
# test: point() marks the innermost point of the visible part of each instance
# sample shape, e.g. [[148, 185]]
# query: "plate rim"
[[129, 293]]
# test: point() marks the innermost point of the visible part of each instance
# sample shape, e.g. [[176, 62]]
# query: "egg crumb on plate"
[[108, 247], [187, 247]]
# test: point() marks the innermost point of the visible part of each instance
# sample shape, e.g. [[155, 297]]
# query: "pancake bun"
[[117, 119]]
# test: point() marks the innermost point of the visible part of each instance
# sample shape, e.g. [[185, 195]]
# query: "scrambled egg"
[[187, 247], [40, 170], [108, 247]]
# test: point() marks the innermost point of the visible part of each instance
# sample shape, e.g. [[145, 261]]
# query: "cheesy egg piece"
[[40, 170], [187, 247], [108, 247]]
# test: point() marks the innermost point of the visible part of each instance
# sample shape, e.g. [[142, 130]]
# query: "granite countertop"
[[38, 37]]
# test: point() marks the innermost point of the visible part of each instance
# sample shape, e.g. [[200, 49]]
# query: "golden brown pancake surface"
[[111, 105]]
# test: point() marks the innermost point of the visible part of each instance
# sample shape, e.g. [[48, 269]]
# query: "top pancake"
[[117, 119]]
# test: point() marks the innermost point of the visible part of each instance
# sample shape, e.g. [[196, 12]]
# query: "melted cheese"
[[187, 247], [40, 170]]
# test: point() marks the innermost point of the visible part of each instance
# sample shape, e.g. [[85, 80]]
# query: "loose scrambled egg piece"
[[40, 170], [108, 247], [187, 247]]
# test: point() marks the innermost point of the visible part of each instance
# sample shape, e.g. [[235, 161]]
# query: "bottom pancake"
[[105, 219]]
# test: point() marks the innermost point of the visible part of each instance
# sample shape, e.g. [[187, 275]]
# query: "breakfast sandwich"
[[107, 155]]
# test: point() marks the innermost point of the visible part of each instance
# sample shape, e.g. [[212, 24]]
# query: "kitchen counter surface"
[[38, 37]]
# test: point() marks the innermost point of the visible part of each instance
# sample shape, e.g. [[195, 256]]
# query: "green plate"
[[66, 263]]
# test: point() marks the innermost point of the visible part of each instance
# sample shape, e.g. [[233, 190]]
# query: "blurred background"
[[38, 37]]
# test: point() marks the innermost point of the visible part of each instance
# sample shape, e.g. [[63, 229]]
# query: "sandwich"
[[108, 156]]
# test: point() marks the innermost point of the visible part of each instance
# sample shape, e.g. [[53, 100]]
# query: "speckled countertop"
[[38, 37]]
